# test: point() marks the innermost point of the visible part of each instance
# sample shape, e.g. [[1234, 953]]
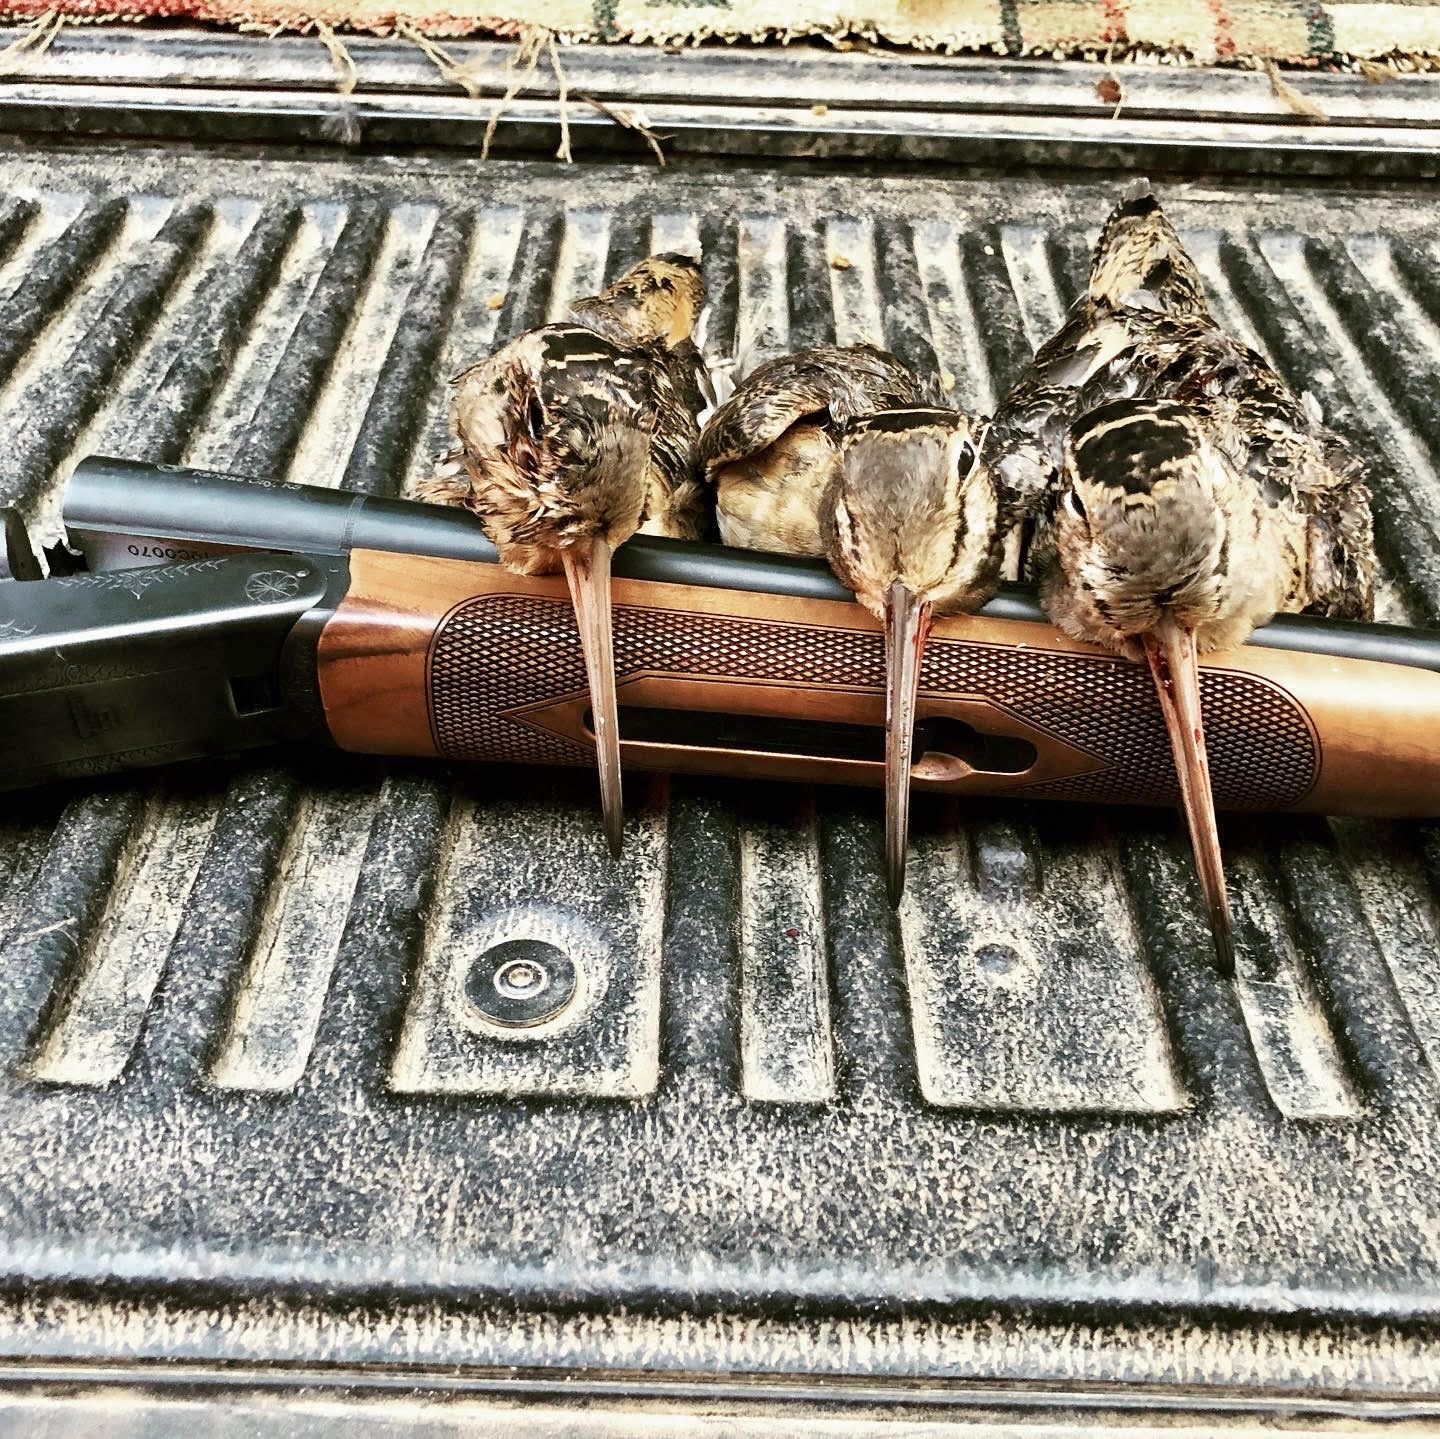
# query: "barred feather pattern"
[[585, 430], [771, 450], [829, 385], [1143, 331]]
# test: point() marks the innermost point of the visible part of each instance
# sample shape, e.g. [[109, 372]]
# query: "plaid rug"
[[1206, 31]]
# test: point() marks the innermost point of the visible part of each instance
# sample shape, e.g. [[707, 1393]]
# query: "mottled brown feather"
[[579, 430], [658, 304], [833, 384], [1142, 330], [658, 301]]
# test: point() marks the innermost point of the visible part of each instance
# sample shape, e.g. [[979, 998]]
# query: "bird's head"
[[1159, 556], [580, 430], [911, 503], [1141, 526], [679, 287], [563, 436], [911, 521], [556, 432]]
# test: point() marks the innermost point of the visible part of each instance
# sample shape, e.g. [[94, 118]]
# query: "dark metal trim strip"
[[709, 103]]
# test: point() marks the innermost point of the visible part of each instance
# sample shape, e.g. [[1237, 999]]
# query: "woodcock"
[[1192, 494], [575, 436], [843, 452]]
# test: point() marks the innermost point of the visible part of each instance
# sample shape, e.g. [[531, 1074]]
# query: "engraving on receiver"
[[271, 585]]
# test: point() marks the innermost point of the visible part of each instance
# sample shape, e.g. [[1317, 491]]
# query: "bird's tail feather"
[[1139, 258], [658, 300]]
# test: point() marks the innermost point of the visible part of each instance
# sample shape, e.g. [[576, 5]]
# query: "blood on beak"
[[587, 571], [1170, 649], [907, 627]]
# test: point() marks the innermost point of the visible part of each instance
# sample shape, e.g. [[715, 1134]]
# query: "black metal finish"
[[733, 101], [135, 503], [20, 560], [122, 514], [100, 672], [1022, 1135]]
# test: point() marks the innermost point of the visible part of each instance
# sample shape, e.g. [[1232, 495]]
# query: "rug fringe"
[[633, 119], [562, 85], [527, 54], [535, 41], [450, 69], [346, 75], [1290, 97], [1110, 88], [1403, 39], [38, 37]]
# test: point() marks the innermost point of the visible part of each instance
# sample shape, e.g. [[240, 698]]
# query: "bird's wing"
[[1340, 545], [1026, 441], [1096, 356], [839, 383], [1037, 558], [1143, 308], [657, 305], [691, 377], [1145, 304], [676, 502], [485, 399], [1281, 442]]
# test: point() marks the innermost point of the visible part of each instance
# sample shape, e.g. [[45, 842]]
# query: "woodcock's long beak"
[[587, 570], [907, 627], [1170, 648]]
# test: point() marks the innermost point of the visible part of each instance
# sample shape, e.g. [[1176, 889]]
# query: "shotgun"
[[216, 614]]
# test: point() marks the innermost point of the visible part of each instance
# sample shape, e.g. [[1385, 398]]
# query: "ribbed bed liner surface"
[[1024, 1131]]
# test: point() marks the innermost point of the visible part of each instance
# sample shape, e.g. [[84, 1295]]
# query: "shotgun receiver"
[[219, 614]]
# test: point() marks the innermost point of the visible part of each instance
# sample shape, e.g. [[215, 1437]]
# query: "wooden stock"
[[446, 657]]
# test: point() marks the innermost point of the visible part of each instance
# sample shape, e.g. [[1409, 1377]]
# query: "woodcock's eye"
[[1072, 503]]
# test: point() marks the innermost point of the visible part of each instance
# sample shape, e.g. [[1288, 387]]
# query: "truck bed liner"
[[1023, 1136]]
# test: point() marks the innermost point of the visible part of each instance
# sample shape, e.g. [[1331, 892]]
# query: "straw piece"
[[629, 120], [449, 68], [1290, 97], [520, 67], [346, 75], [21, 53], [562, 83], [1110, 88]]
